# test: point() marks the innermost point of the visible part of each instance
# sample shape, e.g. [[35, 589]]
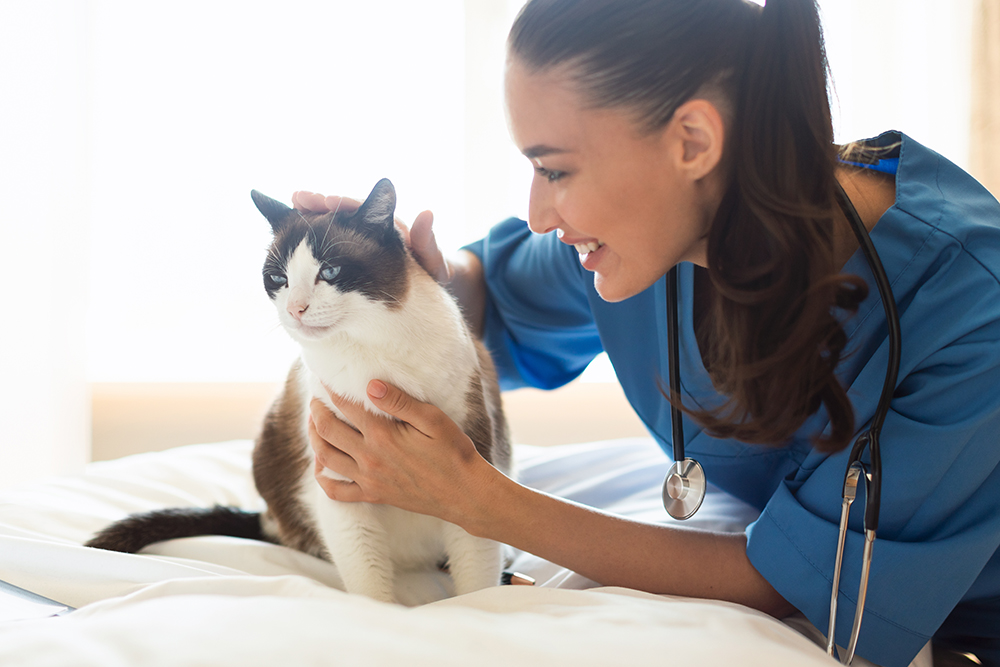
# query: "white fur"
[[424, 349]]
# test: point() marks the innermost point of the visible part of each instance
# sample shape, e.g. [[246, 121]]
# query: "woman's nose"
[[542, 216]]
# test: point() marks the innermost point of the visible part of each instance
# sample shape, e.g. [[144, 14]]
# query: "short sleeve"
[[539, 326], [939, 523]]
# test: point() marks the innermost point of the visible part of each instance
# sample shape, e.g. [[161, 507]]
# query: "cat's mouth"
[[311, 332]]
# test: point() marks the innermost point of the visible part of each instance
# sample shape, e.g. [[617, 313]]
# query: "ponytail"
[[770, 339], [773, 341]]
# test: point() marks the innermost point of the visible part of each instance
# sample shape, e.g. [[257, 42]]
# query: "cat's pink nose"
[[297, 310]]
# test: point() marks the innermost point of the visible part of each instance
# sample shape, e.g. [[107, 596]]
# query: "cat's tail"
[[136, 531]]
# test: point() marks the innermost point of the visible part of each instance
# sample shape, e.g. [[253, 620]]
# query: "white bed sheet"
[[227, 601]]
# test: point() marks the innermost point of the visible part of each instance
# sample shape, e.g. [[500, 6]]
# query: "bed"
[[226, 601]]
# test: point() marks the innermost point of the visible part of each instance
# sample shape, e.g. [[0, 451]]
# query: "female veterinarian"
[[697, 134]]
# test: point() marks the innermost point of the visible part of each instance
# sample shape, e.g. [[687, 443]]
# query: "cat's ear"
[[272, 209], [380, 207]]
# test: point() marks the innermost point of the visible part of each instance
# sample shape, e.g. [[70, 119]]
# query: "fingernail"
[[377, 389]]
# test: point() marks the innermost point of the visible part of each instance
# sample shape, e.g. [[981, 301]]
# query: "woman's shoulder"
[[948, 204], [940, 246], [941, 236]]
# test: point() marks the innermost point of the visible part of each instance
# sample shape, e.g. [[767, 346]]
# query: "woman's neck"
[[872, 194]]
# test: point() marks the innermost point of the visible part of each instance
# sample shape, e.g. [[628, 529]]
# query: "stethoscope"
[[685, 483]]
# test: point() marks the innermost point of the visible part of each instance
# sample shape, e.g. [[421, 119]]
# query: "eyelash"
[[550, 175]]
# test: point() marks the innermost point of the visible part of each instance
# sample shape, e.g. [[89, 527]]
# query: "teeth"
[[585, 248]]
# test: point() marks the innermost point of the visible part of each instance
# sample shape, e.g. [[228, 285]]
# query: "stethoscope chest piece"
[[684, 489]]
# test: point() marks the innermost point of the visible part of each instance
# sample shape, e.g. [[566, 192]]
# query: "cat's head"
[[332, 272]]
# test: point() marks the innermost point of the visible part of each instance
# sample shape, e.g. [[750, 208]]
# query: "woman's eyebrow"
[[541, 150]]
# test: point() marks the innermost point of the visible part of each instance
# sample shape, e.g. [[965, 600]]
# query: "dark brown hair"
[[771, 338]]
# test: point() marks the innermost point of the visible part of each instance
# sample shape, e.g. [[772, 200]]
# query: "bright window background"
[[167, 114], [902, 65], [132, 132], [193, 104]]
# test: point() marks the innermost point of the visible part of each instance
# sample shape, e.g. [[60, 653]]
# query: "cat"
[[347, 289]]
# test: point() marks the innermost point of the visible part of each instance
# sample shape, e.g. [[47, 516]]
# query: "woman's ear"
[[697, 135]]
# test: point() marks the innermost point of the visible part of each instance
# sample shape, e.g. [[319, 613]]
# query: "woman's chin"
[[613, 290]]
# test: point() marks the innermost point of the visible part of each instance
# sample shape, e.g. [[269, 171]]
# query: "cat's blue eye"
[[277, 279], [329, 272]]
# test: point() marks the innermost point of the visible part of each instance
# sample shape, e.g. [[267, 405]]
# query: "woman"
[[698, 134]]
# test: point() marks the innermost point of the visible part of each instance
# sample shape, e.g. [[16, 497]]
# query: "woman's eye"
[[549, 174], [329, 272], [276, 279]]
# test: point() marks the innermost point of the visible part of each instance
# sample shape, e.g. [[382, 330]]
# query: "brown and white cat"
[[346, 288]]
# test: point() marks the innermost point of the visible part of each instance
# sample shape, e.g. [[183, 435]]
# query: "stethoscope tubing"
[[674, 370], [873, 492], [685, 486]]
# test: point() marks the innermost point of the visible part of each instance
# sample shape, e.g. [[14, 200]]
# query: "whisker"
[[327, 230], [332, 244], [322, 242], [391, 297]]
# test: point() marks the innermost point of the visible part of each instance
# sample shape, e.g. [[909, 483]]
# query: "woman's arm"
[[424, 463]]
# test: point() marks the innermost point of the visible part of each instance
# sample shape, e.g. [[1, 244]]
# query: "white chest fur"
[[420, 345]]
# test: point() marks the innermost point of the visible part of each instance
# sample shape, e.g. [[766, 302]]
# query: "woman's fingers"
[[424, 417], [325, 427], [319, 203], [335, 489], [329, 455], [419, 238], [331, 427], [355, 413], [426, 250], [408, 454], [346, 204], [309, 201]]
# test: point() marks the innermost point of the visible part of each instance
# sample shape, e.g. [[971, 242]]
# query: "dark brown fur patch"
[[280, 460], [372, 260], [485, 423], [133, 533]]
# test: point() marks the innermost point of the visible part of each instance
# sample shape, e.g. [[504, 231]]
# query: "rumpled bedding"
[[225, 601]]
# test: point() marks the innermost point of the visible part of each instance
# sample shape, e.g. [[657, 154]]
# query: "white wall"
[[194, 104], [902, 65], [44, 212]]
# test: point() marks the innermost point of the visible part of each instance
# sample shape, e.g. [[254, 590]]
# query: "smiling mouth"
[[587, 248]]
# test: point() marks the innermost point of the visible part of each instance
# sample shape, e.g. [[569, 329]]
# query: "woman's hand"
[[420, 461], [462, 274], [420, 238], [424, 463]]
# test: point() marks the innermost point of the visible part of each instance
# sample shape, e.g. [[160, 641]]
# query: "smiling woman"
[[592, 166]]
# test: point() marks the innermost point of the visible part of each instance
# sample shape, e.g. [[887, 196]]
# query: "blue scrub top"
[[936, 565]]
